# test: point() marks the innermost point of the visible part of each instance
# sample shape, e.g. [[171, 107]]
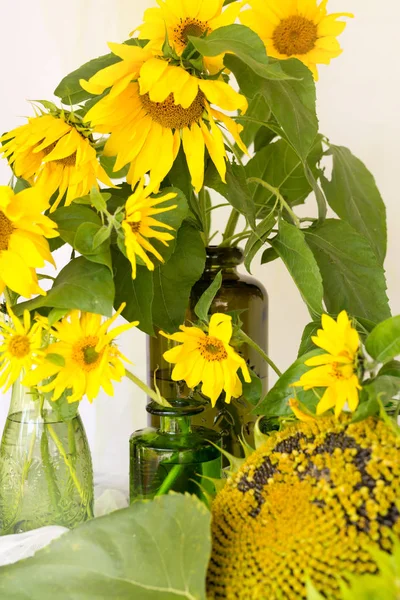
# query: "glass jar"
[[46, 475], [175, 457], [240, 293]]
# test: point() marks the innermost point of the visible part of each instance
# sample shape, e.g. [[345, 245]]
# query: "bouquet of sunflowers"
[[209, 99]]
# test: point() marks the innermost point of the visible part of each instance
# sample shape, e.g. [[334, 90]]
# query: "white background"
[[358, 106]]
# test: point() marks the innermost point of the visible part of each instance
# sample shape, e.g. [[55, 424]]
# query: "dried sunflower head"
[[310, 503]]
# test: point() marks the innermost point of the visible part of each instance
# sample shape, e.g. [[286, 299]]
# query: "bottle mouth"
[[180, 407], [227, 257]]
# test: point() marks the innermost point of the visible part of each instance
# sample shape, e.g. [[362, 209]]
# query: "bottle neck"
[[175, 424], [226, 260]]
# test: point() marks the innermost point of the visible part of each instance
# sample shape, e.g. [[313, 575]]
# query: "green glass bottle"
[[46, 475], [176, 456], [238, 293]]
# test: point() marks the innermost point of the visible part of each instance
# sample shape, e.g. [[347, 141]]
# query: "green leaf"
[[275, 402], [292, 247], [174, 280], [137, 293], [269, 255], [292, 102], [152, 550], [306, 344], [391, 368], [259, 109], [84, 244], [202, 308], [383, 343], [352, 277], [353, 195], [281, 167], [258, 238], [235, 190], [383, 388], [81, 285], [71, 217], [252, 391], [20, 185], [108, 164], [245, 44]]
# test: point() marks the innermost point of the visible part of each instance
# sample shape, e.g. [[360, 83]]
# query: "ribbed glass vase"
[[46, 475]]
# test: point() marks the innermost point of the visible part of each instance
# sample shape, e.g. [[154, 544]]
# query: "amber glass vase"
[[238, 293]]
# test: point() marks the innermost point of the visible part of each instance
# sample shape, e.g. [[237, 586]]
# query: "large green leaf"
[[81, 285], [291, 101], [292, 247], [258, 238], [306, 344], [152, 550], [383, 343], [352, 276], [280, 166], [245, 44], [203, 306], [235, 190], [275, 403], [78, 226], [355, 198], [260, 110], [174, 280], [136, 293]]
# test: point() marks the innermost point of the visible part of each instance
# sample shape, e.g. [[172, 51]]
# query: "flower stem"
[[278, 195], [231, 225], [245, 338], [156, 396], [70, 467], [204, 215]]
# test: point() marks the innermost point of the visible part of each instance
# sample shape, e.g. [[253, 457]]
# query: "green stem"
[[151, 393], [252, 344], [204, 215], [278, 195], [170, 479], [238, 237], [70, 467], [231, 225]]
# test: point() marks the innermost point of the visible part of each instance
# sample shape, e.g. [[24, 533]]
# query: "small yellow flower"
[[91, 360], [20, 347], [179, 20], [139, 223], [153, 108], [208, 358], [52, 154], [299, 29], [23, 247], [336, 370]]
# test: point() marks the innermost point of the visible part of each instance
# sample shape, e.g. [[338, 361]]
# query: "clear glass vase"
[[175, 456], [46, 475]]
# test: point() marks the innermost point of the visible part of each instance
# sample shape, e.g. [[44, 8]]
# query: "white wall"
[[358, 107]]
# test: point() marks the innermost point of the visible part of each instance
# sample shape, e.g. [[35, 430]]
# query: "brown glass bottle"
[[238, 293]]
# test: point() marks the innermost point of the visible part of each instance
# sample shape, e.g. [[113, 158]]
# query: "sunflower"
[[335, 370], [208, 358], [299, 29], [54, 153], [154, 107], [20, 347], [179, 20], [139, 224], [23, 247], [314, 501], [89, 358]]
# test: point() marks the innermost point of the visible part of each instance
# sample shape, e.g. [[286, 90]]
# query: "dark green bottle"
[[176, 456], [238, 293]]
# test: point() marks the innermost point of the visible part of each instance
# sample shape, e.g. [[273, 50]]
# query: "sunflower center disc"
[[212, 349], [171, 115], [6, 229], [295, 35], [85, 354], [189, 27], [135, 227], [19, 346]]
